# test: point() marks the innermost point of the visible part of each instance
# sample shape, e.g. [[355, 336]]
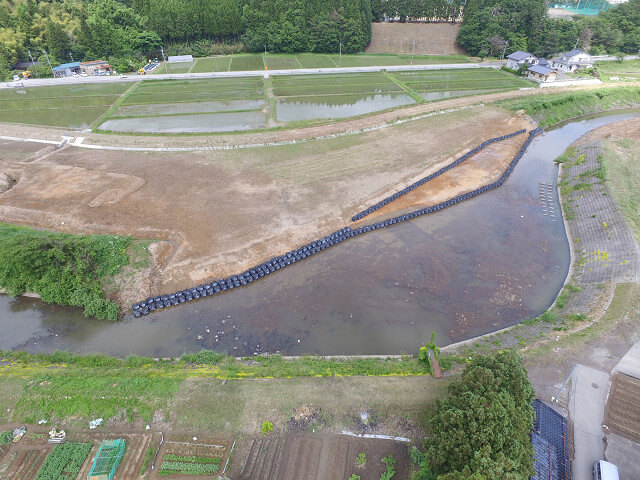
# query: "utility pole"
[[71, 57], [266, 67], [164, 59], [48, 61], [340, 61], [576, 45], [504, 50], [31, 57]]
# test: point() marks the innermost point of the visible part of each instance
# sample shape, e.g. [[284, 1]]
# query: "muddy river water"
[[476, 267]]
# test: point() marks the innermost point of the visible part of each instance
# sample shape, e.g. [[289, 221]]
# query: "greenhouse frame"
[[107, 460]]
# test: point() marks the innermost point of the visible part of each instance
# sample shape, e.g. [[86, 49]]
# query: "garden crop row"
[[64, 461], [187, 468], [192, 458], [276, 263]]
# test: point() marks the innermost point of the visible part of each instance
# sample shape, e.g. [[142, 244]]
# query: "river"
[[471, 269]]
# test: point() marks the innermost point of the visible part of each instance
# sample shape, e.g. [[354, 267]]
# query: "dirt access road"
[[218, 212]]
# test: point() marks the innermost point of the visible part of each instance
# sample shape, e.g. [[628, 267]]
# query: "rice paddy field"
[[76, 106], [256, 61], [244, 103]]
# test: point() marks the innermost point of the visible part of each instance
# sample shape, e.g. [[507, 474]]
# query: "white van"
[[605, 471]]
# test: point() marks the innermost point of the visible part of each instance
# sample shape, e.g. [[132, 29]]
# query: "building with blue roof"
[[66, 69]]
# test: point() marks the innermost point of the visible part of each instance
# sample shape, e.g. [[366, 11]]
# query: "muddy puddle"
[[336, 106], [196, 123], [471, 269]]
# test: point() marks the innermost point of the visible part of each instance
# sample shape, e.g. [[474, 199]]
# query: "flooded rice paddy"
[[293, 109], [196, 123], [471, 269]]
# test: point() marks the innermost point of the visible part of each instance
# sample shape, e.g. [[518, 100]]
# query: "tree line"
[[127, 32], [490, 27]]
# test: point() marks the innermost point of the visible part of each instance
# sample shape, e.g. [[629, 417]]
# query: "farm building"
[[572, 61], [97, 67], [517, 59], [66, 69], [107, 460], [541, 74]]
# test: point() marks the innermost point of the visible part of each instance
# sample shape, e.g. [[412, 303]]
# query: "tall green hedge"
[[62, 268]]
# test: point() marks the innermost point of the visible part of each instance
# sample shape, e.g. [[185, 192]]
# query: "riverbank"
[[598, 204]]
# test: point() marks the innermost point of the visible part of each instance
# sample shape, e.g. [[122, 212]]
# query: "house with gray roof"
[[517, 59], [541, 73], [572, 61]]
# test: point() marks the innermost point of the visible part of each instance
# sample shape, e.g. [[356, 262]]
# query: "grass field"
[[551, 109], [623, 177], [628, 71], [65, 106]]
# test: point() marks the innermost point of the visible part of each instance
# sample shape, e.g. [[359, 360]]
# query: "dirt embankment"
[[417, 38], [220, 212]]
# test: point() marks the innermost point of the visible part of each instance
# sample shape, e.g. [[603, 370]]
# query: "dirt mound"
[[429, 38]]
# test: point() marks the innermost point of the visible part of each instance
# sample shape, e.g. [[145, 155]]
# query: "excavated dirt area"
[[219, 212]]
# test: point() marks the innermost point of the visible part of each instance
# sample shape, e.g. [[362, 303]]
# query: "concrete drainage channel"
[[339, 236]]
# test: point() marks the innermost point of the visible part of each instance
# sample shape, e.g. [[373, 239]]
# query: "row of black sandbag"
[[424, 180], [276, 263]]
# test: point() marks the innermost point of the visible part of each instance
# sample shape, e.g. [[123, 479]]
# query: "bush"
[[266, 427], [62, 268]]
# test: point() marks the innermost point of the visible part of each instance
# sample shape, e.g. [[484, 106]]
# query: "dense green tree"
[[58, 41], [481, 429]]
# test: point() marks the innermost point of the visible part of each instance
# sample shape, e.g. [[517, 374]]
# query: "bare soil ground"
[[429, 38], [315, 457], [219, 212]]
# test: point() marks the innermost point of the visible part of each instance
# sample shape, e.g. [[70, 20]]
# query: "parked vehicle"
[[603, 470]]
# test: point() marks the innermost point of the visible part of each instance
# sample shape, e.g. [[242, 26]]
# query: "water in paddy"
[[476, 267], [337, 106], [188, 107], [196, 123]]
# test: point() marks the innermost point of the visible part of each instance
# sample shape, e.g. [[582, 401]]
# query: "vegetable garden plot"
[[64, 461], [188, 458], [25, 464]]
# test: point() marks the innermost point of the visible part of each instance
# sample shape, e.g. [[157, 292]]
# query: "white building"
[[572, 61], [517, 59]]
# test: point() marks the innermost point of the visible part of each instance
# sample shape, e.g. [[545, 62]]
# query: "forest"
[[490, 25], [129, 32]]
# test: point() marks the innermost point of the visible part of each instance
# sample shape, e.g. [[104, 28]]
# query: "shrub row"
[[339, 236], [426, 179]]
